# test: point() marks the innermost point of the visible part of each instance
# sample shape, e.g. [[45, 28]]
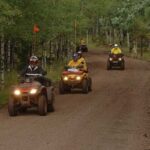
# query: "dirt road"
[[114, 116]]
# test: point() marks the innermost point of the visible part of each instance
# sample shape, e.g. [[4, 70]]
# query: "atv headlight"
[[33, 91], [120, 59], [65, 78], [78, 78], [17, 92], [110, 59]]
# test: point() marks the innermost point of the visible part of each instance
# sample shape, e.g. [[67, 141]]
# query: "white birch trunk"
[[87, 37], [128, 40], [45, 61], [8, 58], [121, 36], [97, 26], [110, 36], [107, 36], [115, 36], [135, 46]]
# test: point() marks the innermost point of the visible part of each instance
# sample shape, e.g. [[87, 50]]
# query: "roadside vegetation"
[[51, 29]]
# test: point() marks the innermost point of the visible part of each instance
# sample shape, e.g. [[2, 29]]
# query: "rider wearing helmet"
[[80, 56], [116, 50], [75, 61], [33, 67], [82, 41]]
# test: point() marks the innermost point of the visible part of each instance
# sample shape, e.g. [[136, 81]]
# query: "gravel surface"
[[114, 116]]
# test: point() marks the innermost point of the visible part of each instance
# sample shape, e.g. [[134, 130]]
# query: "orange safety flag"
[[36, 28]]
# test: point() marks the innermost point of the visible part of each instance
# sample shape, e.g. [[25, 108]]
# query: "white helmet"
[[115, 45], [33, 60]]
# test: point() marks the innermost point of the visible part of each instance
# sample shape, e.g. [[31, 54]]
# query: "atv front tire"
[[90, 84], [11, 107], [61, 87], [42, 105], [85, 86], [108, 65], [50, 107], [122, 66]]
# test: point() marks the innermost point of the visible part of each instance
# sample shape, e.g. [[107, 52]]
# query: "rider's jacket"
[[35, 70], [116, 51], [73, 63], [82, 42], [77, 63], [83, 62]]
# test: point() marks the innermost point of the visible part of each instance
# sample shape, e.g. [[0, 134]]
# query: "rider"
[[33, 67], [116, 50], [76, 63], [82, 60], [82, 41]]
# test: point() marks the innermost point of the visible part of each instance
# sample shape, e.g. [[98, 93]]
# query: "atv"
[[32, 91], [73, 78], [116, 61], [82, 48]]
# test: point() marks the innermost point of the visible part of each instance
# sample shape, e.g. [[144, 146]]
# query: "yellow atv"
[[74, 78]]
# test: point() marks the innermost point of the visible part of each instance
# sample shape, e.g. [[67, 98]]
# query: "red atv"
[[116, 61], [32, 91]]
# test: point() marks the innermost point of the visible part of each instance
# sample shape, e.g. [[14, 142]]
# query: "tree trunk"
[[107, 36], [121, 37], [115, 36], [2, 62], [8, 58], [110, 36], [97, 27], [128, 41], [50, 52], [141, 46], [135, 48], [45, 59], [87, 37]]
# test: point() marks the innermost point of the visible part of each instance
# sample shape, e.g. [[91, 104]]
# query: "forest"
[[51, 29]]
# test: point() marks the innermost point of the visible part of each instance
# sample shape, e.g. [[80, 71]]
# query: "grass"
[[95, 46], [3, 97], [146, 56], [10, 79]]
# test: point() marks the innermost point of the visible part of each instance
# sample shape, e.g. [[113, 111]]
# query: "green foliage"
[[7, 16], [11, 79], [57, 17]]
